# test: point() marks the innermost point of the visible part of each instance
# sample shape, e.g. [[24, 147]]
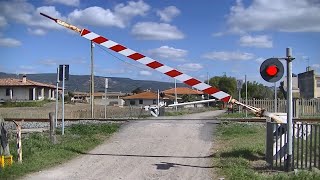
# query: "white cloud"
[[261, 41], [96, 16], [226, 56], [9, 42], [119, 17], [260, 59], [190, 67], [3, 21], [316, 66], [166, 52], [284, 15], [156, 31], [23, 69], [168, 13], [49, 62], [145, 73], [38, 32], [65, 2], [26, 13]]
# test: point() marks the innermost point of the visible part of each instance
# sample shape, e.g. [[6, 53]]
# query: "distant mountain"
[[82, 82]]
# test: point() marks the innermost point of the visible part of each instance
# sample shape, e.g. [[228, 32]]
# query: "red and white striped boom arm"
[[169, 71]]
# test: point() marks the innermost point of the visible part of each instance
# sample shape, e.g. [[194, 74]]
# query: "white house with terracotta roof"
[[25, 90], [146, 98]]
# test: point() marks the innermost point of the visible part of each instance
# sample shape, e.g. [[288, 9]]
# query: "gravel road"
[[155, 149]]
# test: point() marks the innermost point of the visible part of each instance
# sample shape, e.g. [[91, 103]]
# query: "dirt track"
[[157, 149]]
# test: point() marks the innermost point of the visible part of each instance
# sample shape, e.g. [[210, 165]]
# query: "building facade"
[[25, 90]]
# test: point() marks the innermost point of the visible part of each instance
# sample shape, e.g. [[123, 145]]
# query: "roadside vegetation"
[[25, 104], [183, 111], [240, 151], [39, 153]]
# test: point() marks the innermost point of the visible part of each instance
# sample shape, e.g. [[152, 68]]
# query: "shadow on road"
[[136, 155], [166, 166]]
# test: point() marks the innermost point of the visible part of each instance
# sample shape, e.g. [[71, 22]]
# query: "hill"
[[82, 82]]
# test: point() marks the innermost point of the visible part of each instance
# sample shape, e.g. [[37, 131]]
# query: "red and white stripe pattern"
[[155, 65]]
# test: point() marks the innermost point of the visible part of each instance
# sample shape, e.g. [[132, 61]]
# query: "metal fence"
[[306, 146], [301, 107]]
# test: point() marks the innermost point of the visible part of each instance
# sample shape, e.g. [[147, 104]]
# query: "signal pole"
[[289, 60], [92, 81]]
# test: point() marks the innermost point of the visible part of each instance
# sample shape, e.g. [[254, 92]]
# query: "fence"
[[306, 146], [301, 107]]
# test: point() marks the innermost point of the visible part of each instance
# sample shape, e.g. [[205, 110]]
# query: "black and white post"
[[57, 99], [63, 80], [105, 98], [289, 60]]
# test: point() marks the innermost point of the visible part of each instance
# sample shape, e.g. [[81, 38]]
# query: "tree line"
[[255, 90]]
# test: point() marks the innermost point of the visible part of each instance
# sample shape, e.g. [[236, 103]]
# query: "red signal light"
[[272, 70]]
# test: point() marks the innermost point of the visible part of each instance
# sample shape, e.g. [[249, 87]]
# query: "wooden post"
[[19, 144], [52, 128]]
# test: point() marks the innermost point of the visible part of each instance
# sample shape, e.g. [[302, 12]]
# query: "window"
[[154, 101], [318, 83], [132, 102], [140, 101], [8, 92]]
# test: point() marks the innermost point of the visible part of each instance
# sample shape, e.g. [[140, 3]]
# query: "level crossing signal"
[[271, 70]]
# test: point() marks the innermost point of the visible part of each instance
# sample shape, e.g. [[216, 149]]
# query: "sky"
[[200, 38]]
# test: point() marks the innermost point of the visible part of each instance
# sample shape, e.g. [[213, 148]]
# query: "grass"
[[39, 153], [25, 104], [236, 115], [183, 111], [240, 149]]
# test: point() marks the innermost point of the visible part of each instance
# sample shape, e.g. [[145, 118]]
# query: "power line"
[[144, 68]]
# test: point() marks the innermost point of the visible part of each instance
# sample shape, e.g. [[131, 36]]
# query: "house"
[[113, 98], [25, 90], [147, 98], [181, 91], [309, 84]]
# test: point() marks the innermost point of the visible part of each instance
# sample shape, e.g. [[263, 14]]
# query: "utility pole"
[[175, 94], [245, 78], [289, 60], [208, 84], [92, 81], [275, 97], [63, 81], [105, 98], [57, 99]]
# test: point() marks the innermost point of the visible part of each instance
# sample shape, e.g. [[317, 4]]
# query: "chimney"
[[24, 79]]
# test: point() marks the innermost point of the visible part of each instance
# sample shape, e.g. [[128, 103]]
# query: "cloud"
[[190, 67], [260, 59], [168, 13], [65, 2], [226, 56], [261, 41], [49, 62], [316, 66], [156, 31], [97, 16], [9, 42], [23, 69], [166, 52], [3, 22], [119, 17], [26, 13], [145, 73], [284, 15], [38, 32]]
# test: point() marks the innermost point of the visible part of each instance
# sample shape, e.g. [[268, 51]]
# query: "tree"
[[224, 83], [257, 90], [137, 90]]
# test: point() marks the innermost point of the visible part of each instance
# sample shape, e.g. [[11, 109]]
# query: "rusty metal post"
[[52, 128], [19, 144]]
